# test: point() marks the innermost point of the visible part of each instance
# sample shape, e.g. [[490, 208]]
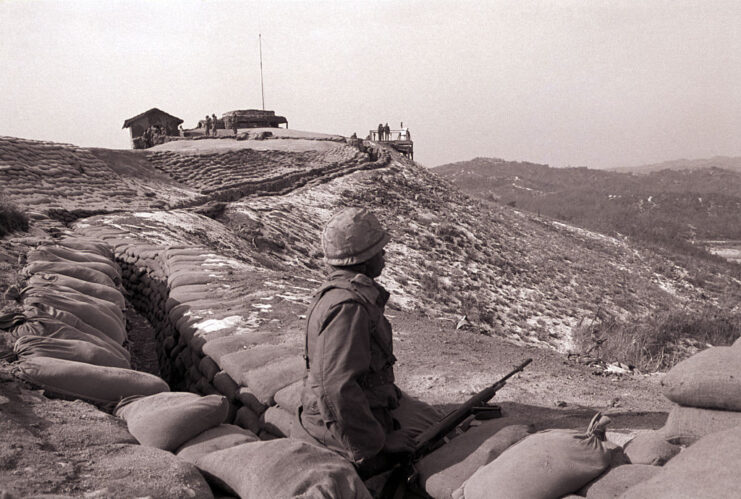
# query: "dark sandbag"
[[708, 469], [651, 448], [97, 384], [710, 379], [546, 465], [265, 381], [109, 294], [277, 421], [414, 415], [282, 468], [92, 315], [225, 385], [617, 480], [685, 425], [247, 419], [77, 350], [70, 269], [41, 256], [168, 420], [289, 398], [47, 326], [444, 470], [220, 437], [248, 399]]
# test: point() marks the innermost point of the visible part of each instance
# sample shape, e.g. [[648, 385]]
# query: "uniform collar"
[[370, 289]]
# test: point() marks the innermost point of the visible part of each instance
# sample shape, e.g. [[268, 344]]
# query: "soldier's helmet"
[[352, 236]]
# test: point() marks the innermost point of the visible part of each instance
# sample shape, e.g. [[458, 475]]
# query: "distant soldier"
[[213, 124], [387, 131], [350, 403], [208, 124], [234, 125], [380, 131]]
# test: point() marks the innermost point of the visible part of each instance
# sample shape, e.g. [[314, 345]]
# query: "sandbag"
[[708, 469], [70, 269], [617, 480], [277, 421], [88, 382], [650, 447], [44, 256], [168, 420], [220, 347], [73, 255], [710, 379], [217, 438], [282, 468], [247, 419], [40, 311], [546, 465], [42, 325], [92, 245], [444, 470], [85, 311], [109, 294], [265, 381], [289, 398], [685, 425], [81, 351], [240, 361], [46, 288]]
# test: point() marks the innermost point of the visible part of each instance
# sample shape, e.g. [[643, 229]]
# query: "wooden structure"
[[401, 140], [253, 118], [153, 118]]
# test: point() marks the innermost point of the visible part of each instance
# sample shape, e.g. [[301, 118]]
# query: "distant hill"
[[669, 207], [724, 162]]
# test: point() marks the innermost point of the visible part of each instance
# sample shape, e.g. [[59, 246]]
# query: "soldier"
[[208, 124], [213, 124], [387, 131], [350, 403], [380, 131]]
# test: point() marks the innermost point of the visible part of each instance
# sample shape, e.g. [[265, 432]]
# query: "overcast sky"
[[581, 83]]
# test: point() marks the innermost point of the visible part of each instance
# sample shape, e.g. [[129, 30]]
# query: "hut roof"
[[128, 122]]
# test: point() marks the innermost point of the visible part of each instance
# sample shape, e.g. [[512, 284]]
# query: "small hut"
[[139, 124]]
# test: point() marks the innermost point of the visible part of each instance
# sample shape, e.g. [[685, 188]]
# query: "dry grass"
[[11, 218], [659, 341]]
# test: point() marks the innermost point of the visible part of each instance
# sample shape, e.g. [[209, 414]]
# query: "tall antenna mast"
[[262, 86]]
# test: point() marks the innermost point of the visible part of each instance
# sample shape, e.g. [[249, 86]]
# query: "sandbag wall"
[[706, 389], [71, 336], [202, 347]]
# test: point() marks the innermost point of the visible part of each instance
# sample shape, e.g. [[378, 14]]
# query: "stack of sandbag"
[[707, 390], [70, 337], [709, 468], [548, 464]]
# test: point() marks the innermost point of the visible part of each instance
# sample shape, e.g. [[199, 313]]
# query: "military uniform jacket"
[[349, 388]]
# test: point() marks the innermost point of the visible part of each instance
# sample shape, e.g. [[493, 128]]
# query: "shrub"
[[11, 218], [656, 342]]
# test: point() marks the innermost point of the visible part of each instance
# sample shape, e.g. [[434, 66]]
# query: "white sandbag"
[[615, 481], [546, 465], [710, 379], [708, 469], [444, 470], [97, 384], [282, 468], [71, 269], [168, 420], [109, 294], [224, 436], [650, 447], [685, 425]]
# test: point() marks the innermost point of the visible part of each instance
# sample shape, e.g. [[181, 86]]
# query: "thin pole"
[[262, 86]]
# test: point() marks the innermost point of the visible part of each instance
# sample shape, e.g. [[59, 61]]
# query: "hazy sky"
[[592, 83]]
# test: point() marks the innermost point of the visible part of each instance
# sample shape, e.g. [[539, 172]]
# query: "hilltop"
[[250, 211], [722, 162]]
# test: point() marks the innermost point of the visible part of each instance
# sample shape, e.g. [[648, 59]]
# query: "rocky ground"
[[522, 282]]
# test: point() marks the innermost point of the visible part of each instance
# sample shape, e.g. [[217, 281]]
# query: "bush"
[[11, 218], [659, 341]]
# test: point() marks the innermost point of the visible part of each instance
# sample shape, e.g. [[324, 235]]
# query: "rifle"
[[431, 438]]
